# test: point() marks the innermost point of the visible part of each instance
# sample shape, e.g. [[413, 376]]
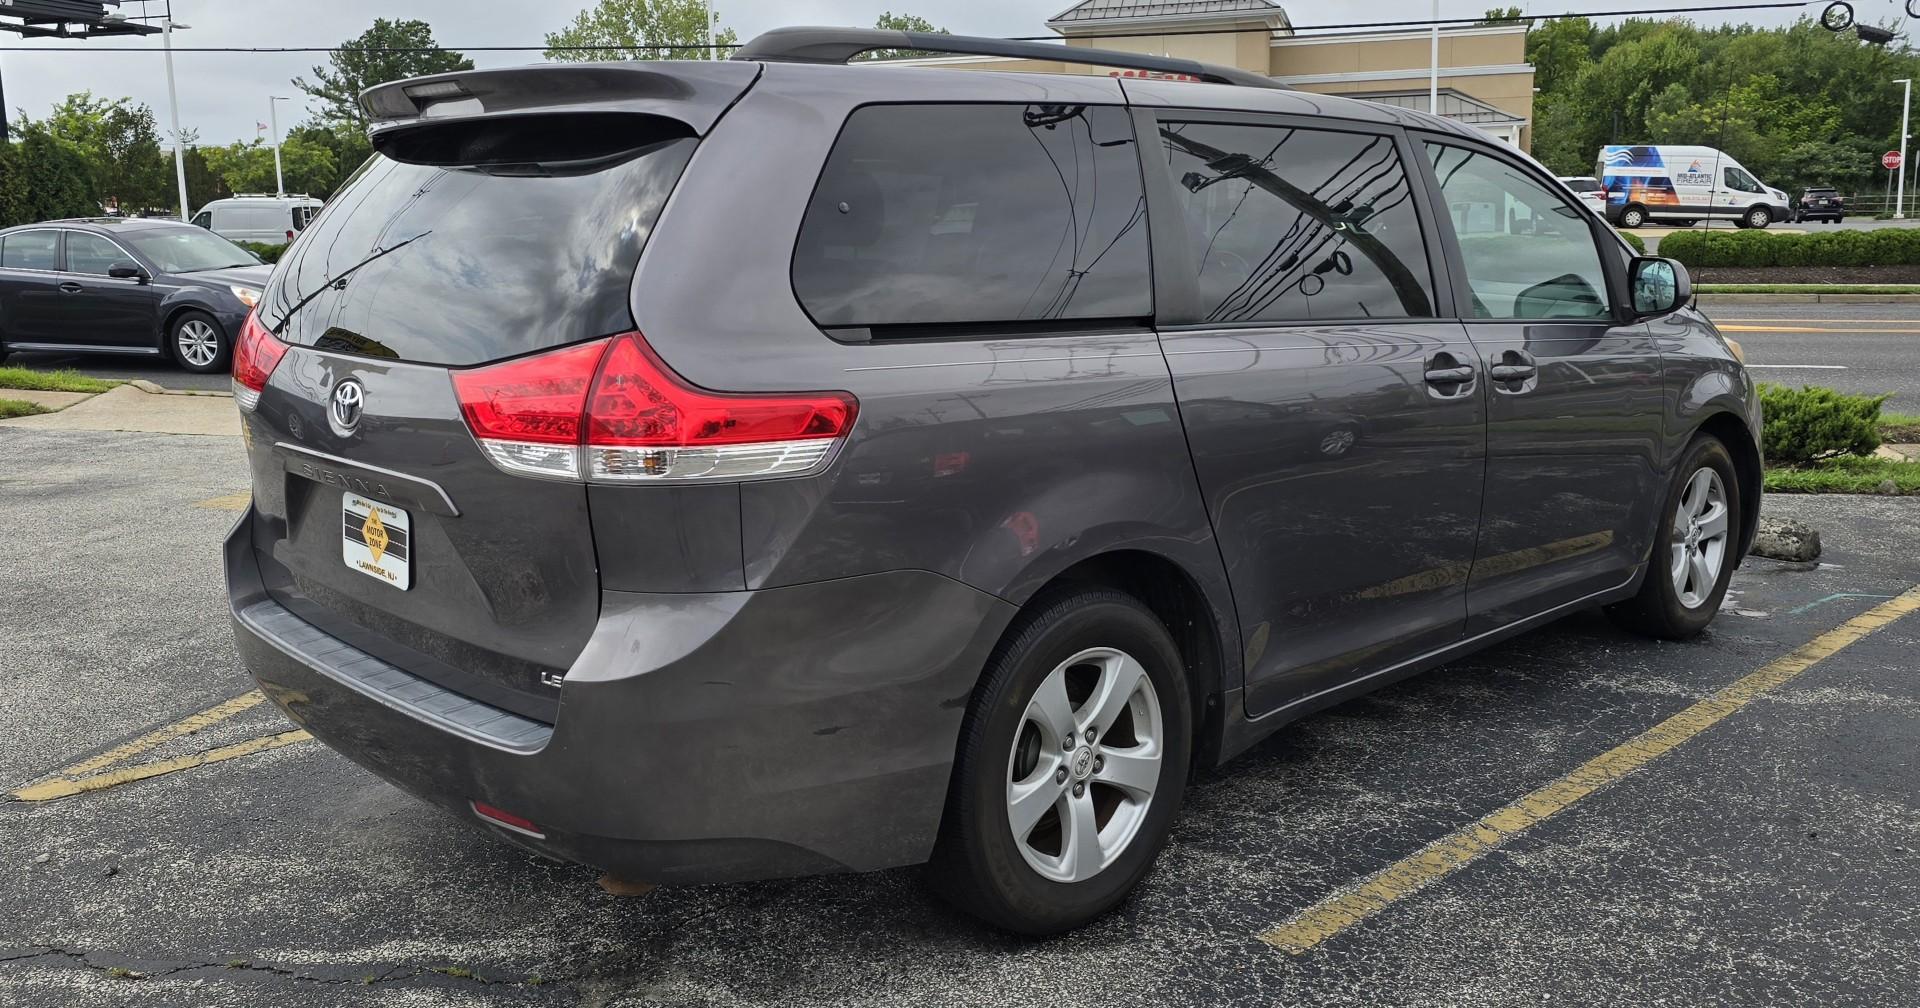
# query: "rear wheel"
[[1693, 556], [1071, 767], [1633, 217], [198, 344]]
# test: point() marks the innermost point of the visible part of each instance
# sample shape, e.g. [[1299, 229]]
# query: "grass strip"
[[10, 408], [1846, 475], [51, 381]]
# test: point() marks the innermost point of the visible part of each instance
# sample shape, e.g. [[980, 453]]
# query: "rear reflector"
[[254, 357], [612, 411], [507, 820]]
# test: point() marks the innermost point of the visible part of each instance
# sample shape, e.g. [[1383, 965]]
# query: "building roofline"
[[1396, 36]]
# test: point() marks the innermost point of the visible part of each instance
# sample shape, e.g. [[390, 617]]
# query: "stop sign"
[[1890, 160]]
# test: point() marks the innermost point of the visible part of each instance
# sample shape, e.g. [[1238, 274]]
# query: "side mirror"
[[1658, 285], [128, 271]]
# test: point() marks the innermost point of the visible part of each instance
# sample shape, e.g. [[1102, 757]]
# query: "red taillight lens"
[[611, 410], [638, 401], [254, 358], [501, 817]]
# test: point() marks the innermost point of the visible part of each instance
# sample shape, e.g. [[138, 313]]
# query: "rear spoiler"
[[693, 92]]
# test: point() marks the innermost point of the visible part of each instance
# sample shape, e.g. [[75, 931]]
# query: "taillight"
[[254, 358], [613, 411]]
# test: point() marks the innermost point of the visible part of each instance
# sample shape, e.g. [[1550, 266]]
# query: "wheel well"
[[1733, 432], [1173, 596]]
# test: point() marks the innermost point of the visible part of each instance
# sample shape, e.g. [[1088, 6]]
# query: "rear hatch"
[[502, 217]]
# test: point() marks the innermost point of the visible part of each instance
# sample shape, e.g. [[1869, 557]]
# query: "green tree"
[[388, 51], [44, 177], [347, 145], [639, 30], [248, 167], [1505, 16], [889, 21], [121, 147]]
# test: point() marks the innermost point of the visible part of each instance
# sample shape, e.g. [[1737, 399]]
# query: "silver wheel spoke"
[[1051, 710], [1027, 802], [1713, 524], [1699, 574], [1080, 853], [1698, 489], [1678, 571], [1120, 678], [1135, 771]]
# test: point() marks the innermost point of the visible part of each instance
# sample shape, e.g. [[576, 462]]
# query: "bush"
[[1809, 424], [1633, 240], [267, 253], [1884, 247]]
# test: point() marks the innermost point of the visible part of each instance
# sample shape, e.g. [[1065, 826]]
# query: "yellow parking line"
[[65, 787], [185, 726], [1805, 329], [1344, 909], [228, 502]]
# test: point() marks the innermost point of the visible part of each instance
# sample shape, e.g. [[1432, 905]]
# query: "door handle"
[[1513, 372], [70, 288], [1447, 377]]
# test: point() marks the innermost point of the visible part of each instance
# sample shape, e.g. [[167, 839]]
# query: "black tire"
[[1658, 610], [1633, 216], [187, 325], [1756, 217], [977, 864]]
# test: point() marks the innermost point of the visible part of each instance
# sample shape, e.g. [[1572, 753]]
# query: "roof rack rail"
[[838, 45]]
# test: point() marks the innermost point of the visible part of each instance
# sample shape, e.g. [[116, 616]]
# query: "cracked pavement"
[[1770, 860]]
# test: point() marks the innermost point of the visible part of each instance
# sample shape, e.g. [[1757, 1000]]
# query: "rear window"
[[1583, 185], [497, 261], [28, 250], [942, 214]]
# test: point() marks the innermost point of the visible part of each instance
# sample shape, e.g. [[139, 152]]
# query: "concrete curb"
[[1809, 298], [151, 389]]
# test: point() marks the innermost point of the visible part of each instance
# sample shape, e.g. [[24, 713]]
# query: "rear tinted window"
[[28, 250], [1583, 185], [498, 262], [928, 214], [1293, 224]]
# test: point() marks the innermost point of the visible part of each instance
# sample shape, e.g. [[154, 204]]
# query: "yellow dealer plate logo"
[[377, 540]]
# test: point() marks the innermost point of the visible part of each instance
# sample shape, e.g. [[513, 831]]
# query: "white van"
[[249, 217], [1679, 184]]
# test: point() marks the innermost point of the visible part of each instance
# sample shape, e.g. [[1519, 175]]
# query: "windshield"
[[189, 250]]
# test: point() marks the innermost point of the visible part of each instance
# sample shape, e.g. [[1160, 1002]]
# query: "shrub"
[[1809, 424], [267, 253], [1884, 247], [1633, 240]]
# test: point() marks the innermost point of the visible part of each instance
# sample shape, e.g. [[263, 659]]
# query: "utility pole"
[[173, 110], [1900, 194], [273, 117], [1433, 70]]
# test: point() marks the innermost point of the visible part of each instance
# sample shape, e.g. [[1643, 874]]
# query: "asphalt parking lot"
[[1761, 848]]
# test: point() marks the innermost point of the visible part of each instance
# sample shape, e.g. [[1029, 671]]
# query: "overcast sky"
[[222, 95]]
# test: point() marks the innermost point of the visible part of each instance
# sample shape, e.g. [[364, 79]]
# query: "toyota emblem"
[[345, 406]]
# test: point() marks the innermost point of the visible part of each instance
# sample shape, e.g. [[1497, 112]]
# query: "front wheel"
[[198, 344], [1633, 217], [1694, 554], [1757, 217], [1071, 768]]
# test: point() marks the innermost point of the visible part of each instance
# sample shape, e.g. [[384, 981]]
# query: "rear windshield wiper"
[[339, 281]]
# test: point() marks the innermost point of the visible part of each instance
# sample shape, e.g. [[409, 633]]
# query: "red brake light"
[[254, 357], [638, 421]]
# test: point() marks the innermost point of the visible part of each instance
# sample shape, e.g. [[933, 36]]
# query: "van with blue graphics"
[[1683, 185]]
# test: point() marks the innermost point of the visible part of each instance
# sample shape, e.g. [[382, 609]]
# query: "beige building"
[[1485, 80]]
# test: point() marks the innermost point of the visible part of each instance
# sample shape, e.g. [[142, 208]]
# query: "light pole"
[[173, 110], [1433, 70], [1899, 195], [273, 117]]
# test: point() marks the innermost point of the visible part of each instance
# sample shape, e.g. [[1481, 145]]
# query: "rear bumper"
[[700, 737]]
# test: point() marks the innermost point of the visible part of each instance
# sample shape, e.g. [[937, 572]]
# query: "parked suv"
[[1820, 203], [956, 483]]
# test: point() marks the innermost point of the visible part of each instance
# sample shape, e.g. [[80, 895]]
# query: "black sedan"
[[126, 286]]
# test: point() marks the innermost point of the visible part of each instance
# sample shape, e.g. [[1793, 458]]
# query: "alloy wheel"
[[1700, 526], [1085, 763], [198, 343]]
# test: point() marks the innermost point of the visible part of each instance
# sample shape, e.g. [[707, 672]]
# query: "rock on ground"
[[1786, 539]]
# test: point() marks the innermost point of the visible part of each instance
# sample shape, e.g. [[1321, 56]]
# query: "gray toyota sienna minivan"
[[724, 470]]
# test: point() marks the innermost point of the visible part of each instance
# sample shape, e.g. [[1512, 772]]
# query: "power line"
[[1297, 30]]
